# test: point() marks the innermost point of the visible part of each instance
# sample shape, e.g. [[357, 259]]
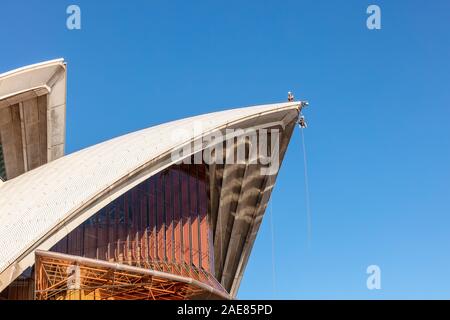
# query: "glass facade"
[[162, 224]]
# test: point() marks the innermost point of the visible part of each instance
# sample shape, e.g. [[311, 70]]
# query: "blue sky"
[[378, 137]]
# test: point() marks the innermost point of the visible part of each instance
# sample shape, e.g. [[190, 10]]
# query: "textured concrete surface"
[[32, 116]]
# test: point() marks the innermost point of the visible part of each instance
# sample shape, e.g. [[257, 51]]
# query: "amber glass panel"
[[162, 219], [152, 224], [176, 202], [168, 213], [204, 225], [195, 232], [186, 217]]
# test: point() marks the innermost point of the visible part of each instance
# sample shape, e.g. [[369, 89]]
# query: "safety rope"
[[307, 198]]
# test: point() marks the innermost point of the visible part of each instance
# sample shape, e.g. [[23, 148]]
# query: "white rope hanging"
[[307, 197]]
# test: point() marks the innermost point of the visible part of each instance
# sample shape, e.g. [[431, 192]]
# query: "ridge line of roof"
[[31, 67]]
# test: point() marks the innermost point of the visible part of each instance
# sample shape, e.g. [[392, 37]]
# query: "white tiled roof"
[[34, 203]]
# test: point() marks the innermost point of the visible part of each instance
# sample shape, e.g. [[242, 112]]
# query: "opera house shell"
[[122, 219]]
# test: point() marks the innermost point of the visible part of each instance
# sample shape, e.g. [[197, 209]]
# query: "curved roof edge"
[[31, 66]]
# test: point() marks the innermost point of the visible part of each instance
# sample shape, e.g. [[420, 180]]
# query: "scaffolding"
[[67, 277]]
